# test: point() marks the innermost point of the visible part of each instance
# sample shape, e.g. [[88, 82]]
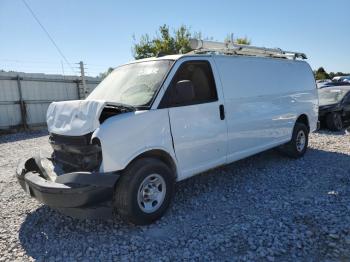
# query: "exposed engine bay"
[[75, 152], [113, 110]]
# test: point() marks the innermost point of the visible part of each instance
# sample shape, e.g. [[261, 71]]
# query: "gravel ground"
[[264, 208]]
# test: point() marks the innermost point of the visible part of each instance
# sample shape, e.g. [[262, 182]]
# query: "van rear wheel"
[[144, 191], [298, 144]]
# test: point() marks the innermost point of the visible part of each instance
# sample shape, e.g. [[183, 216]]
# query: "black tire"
[[292, 148], [126, 194], [334, 121]]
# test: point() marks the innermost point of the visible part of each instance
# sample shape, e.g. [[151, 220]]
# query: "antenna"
[[201, 46]]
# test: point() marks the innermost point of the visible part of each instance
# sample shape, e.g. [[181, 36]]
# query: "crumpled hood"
[[74, 118]]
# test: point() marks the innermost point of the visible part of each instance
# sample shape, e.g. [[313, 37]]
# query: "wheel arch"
[[160, 154], [303, 118]]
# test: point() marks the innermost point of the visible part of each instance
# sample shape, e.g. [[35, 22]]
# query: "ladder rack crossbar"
[[201, 46]]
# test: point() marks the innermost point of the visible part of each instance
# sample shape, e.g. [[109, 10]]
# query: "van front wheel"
[[298, 144], [144, 191]]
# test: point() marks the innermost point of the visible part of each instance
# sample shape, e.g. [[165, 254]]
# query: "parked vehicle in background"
[[340, 78], [332, 83], [156, 121], [334, 106], [322, 82]]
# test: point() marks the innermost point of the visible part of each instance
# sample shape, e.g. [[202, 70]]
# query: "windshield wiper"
[[129, 108]]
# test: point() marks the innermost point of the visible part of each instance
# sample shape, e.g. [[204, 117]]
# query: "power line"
[[47, 34], [33, 63], [26, 61], [48, 66]]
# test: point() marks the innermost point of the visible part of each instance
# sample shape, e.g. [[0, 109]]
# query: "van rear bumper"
[[75, 192]]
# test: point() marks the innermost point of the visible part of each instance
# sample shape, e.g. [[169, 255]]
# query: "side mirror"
[[183, 92]]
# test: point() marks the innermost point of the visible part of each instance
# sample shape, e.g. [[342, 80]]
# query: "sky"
[[100, 33]]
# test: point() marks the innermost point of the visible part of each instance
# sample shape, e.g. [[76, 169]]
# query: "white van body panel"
[[198, 133], [263, 98], [126, 136]]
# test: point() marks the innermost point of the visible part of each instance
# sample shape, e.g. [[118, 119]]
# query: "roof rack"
[[203, 46]]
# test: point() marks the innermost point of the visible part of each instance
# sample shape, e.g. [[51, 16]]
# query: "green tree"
[[239, 40], [104, 74], [331, 75], [242, 41], [164, 43], [168, 44], [321, 74]]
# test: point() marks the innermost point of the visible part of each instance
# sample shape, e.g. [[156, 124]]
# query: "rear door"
[[198, 127]]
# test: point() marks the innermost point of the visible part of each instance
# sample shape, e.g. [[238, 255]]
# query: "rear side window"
[[201, 76]]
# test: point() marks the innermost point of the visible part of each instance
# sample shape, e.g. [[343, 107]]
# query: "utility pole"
[[82, 74]]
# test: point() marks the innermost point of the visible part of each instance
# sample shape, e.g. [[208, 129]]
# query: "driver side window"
[[201, 76]]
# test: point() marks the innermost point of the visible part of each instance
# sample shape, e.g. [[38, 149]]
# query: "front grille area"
[[76, 153]]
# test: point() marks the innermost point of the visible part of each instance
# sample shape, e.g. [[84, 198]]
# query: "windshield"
[[133, 84], [330, 96]]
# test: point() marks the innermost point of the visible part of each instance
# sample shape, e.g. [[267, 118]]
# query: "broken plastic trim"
[[67, 190]]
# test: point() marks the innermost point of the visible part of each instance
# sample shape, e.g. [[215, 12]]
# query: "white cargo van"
[[157, 121]]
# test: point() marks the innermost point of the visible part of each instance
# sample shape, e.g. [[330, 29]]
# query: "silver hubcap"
[[151, 193], [301, 140]]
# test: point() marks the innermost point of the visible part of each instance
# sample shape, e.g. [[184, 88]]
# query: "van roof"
[[178, 56], [169, 57]]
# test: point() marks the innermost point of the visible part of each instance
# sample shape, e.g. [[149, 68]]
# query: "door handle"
[[222, 112]]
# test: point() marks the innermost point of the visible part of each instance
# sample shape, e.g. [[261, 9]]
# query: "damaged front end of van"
[[71, 178], [93, 141]]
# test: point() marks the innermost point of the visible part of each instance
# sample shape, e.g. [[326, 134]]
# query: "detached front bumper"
[[78, 194]]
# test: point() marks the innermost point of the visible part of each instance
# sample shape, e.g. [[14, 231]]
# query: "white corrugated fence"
[[24, 98]]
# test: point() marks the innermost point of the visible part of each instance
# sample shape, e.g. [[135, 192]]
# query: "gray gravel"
[[264, 208]]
